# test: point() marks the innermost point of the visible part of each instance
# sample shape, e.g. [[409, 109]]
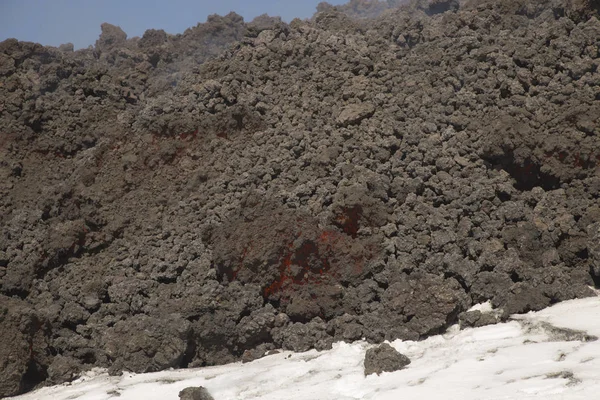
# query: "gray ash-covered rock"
[[185, 200], [384, 358]]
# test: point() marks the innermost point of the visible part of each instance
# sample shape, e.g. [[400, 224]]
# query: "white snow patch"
[[483, 307], [500, 362]]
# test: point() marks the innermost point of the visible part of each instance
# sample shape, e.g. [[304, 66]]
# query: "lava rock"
[[384, 358], [355, 113], [258, 352], [24, 352], [110, 37], [145, 344], [63, 369], [476, 319], [594, 251], [287, 186], [195, 393]]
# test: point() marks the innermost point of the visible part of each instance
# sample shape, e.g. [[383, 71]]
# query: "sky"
[[54, 22], [532, 357]]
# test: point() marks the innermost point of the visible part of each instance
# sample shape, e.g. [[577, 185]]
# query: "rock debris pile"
[[180, 200]]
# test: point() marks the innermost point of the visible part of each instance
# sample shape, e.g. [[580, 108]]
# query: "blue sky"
[[53, 22]]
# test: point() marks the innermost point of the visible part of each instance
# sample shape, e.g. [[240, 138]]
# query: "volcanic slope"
[[167, 203]]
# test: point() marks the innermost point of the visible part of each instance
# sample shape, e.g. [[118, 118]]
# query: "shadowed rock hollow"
[[179, 200]]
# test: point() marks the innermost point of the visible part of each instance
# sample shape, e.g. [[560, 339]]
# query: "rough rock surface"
[[180, 200], [476, 319], [195, 393], [24, 349], [384, 358]]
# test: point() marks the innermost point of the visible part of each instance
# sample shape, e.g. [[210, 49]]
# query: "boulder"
[[195, 393], [384, 358]]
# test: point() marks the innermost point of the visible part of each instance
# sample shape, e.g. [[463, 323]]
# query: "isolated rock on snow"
[[195, 393], [384, 358]]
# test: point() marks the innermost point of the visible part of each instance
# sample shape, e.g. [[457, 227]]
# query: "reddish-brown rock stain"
[[305, 271], [313, 262], [348, 220]]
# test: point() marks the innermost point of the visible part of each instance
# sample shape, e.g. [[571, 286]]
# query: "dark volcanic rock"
[[476, 319], [63, 369], [355, 113], [594, 251], [110, 37], [145, 344], [183, 200], [195, 393], [24, 349], [384, 358]]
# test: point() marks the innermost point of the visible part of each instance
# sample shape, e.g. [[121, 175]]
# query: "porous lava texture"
[[179, 200]]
